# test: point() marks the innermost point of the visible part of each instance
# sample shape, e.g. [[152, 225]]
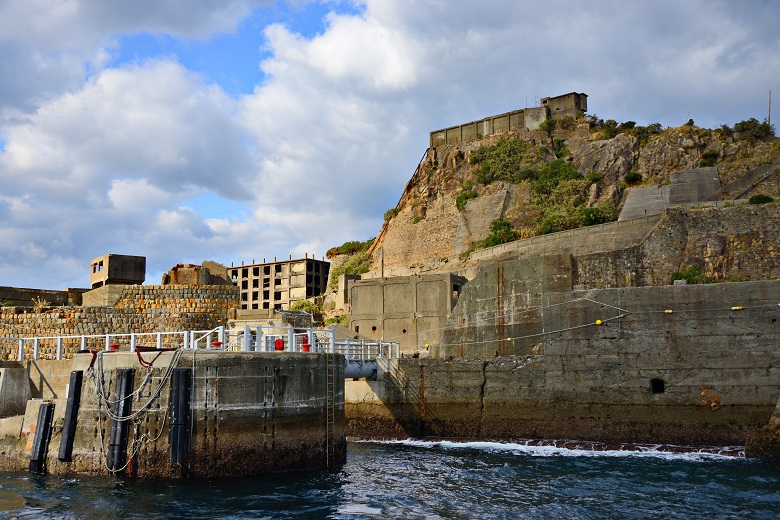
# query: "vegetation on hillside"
[[559, 191], [349, 248]]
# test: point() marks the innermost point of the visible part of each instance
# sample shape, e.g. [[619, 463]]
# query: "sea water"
[[431, 480]]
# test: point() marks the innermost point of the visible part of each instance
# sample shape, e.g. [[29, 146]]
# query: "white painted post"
[[108, 342], [221, 336], [36, 347], [185, 340], [247, 343], [332, 342], [346, 354], [83, 343], [291, 340], [20, 353], [133, 342], [59, 348], [159, 340]]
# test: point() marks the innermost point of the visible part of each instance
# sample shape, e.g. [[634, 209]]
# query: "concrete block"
[[14, 391]]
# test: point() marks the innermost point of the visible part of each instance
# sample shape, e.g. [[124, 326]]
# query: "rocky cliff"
[[449, 204]]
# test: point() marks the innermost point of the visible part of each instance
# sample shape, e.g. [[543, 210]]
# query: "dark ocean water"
[[417, 479]]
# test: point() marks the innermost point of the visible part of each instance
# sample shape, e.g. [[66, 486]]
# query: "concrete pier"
[[228, 414]]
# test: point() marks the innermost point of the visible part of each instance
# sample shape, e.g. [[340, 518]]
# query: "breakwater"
[[695, 364], [184, 413]]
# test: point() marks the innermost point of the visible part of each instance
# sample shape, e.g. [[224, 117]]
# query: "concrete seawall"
[[241, 414], [705, 373]]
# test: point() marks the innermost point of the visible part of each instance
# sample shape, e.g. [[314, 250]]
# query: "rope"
[[98, 379]]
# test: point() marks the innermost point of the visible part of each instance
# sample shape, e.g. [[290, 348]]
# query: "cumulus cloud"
[[101, 157]]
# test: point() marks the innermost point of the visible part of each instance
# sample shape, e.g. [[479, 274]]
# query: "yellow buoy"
[[668, 311], [598, 322]]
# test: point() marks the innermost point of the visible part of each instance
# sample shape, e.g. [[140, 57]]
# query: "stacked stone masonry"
[[140, 309]]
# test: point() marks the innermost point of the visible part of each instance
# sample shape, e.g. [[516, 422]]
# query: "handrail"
[[258, 338]]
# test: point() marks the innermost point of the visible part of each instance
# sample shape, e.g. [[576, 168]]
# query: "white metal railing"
[[258, 338]]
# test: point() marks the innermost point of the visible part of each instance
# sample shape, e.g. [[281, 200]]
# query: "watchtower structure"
[[117, 270]]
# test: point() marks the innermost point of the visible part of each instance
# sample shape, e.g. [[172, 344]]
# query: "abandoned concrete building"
[[117, 270], [411, 310], [277, 285], [557, 107]]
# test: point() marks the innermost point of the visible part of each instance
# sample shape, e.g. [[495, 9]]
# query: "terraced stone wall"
[[141, 308]]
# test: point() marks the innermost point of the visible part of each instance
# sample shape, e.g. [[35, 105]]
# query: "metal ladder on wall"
[[330, 409]]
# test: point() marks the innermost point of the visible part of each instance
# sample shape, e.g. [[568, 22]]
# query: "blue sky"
[[192, 130]]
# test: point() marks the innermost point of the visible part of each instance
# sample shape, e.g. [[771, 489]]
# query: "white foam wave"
[[582, 449]]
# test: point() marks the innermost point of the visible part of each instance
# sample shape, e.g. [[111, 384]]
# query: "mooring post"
[[247, 343]]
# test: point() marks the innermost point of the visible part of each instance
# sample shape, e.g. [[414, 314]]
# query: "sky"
[[243, 130]]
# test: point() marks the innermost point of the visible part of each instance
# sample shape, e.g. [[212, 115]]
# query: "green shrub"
[[305, 306], [341, 320], [760, 199], [418, 218], [751, 129], [500, 233], [632, 178], [691, 274], [553, 173], [566, 122], [560, 148], [509, 160], [593, 178], [558, 219], [548, 125], [464, 197], [628, 125], [598, 214], [390, 213], [643, 133], [709, 158], [359, 263], [349, 248]]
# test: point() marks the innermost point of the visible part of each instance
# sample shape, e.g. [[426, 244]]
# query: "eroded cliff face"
[[430, 232]]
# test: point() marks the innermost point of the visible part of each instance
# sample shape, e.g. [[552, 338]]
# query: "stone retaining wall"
[[141, 308]]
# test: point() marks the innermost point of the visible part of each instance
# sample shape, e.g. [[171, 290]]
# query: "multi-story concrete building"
[[278, 284]]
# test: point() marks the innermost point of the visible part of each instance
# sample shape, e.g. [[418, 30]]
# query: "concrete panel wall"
[[402, 309], [510, 121], [704, 374]]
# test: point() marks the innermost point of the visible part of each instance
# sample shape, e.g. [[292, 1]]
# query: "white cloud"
[[123, 161]]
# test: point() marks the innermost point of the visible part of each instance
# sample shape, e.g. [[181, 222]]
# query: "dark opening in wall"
[[657, 386]]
